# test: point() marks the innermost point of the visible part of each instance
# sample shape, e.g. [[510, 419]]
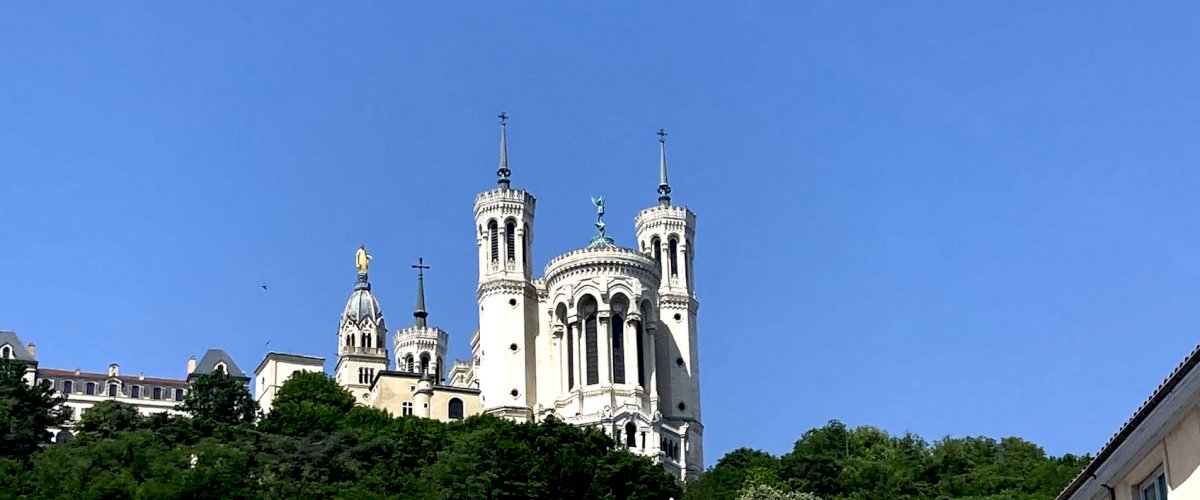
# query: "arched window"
[[6, 352], [408, 363], [525, 246], [90, 389], [656, 249], [437, 371], [588, 306], [493, 239], [641, 361], [510, 240], [618, 349], [350, 340], [455, 409], [630, 435], [406, 409], [425, 362], [220, 368], [674, 251], [560, 313]]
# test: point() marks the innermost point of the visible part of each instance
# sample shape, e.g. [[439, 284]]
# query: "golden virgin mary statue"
[[362, 259]]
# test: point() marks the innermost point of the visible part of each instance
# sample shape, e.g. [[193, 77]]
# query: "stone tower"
[[507, 298], [362, 351], [666, 233], [421, 348]]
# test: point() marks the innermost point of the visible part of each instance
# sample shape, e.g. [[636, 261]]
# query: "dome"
[[362, 304]]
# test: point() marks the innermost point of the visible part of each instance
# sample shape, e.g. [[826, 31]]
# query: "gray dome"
[[362, 304]]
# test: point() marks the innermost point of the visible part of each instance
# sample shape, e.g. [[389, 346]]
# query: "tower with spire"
[[362, 350], [507, 299], [666, 233], [421, 349]]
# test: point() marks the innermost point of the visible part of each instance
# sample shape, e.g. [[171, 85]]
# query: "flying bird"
[[264, 286]]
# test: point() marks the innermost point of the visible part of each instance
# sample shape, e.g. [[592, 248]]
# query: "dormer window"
[[6, 352], [220, 368]]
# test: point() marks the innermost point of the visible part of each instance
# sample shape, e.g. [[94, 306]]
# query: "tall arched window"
[[425, 362], [493, 239], [588, 306], [560, 313], [630, 435], [641, 361], [437, 371], [510, 240], [674, 251], [455, 409], [408, 363], [350, 340], [656, 248], [525, 246], [618, 349]]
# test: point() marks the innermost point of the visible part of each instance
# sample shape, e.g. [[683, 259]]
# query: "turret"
[[421, 348], [666, 233], [362, 351], [507, 299]]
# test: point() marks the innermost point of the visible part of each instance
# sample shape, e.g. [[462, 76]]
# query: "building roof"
[[293, 358], [75, 374], [19, 351], [211, 359], [1160, 394]]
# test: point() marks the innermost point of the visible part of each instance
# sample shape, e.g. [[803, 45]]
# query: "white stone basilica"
[[605, 338]]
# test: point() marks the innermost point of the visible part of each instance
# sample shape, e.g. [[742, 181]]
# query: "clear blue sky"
[[949, 219]]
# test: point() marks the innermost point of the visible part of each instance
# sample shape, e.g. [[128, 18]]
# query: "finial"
[[503, 172], [664, 190], [420, 313]]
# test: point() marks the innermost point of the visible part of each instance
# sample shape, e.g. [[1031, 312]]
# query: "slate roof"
[[1164, 389], [132, 379], [208, 364], [19, 350]]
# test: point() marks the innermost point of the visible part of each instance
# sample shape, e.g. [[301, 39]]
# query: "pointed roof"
[[503, 172], [9, 338], [664, 189], [214, 357], [420, 313]]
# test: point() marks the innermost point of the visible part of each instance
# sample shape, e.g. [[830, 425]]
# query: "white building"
[[606, 337], [1156, 454], [84, 389]]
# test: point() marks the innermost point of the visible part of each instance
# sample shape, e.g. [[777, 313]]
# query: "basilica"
[[605, 337]]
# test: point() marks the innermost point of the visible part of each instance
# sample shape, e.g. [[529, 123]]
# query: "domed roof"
[[362, 304]]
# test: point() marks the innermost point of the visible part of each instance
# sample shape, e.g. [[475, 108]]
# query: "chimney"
[[191, 364], [33, 350], [114, 370]]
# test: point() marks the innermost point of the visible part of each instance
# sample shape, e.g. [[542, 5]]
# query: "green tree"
[[26, 411], [107, 418], [219, 398], [308, 403]]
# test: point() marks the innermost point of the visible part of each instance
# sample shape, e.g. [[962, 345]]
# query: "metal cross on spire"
[[503, 172], [664, 190], [420, 314]]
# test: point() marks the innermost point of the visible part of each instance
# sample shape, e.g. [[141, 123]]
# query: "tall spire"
[[420, 313], [664, 190], [503, 172]]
